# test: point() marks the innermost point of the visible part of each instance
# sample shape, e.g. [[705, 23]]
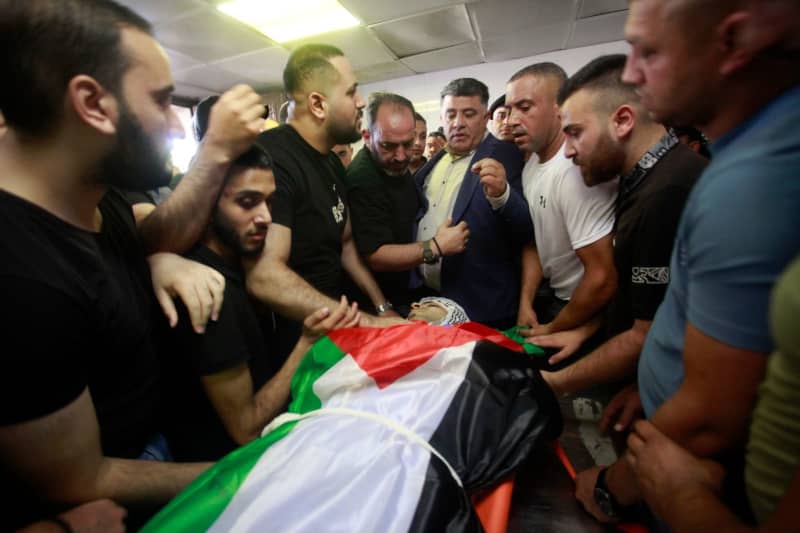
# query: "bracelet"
[[61, 522], [385, 306], [437, 246]]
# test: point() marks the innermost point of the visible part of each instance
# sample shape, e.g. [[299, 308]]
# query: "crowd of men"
[[146, 342]]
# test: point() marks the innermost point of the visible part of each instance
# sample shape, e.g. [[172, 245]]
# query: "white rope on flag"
[[285, 418]]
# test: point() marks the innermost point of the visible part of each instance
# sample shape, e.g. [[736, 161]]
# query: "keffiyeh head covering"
[[455, 313]]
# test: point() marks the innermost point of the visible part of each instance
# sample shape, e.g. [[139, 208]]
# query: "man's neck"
[[745, 97], [313, 133], [643, 138], [552, 148], [49, 175]]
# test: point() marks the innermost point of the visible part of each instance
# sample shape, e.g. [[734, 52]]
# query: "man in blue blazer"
[[475, 179]]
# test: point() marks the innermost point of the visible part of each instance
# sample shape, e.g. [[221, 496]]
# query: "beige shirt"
[[441, 189]]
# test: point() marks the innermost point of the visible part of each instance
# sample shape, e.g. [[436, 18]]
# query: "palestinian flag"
[[389, 430]]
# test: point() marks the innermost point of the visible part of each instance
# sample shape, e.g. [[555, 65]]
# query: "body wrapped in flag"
[[397, 427]]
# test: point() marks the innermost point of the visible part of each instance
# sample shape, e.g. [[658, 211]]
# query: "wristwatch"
[[428, 257], [603, 497], [385, 306]]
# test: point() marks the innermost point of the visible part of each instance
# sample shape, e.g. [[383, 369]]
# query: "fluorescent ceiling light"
[[289, 20]]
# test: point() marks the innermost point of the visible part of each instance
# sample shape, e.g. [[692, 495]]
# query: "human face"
[[502, 129], [345, 104], [146, 122], [534, 116], [391, 139], [464, 119], [674, 73], [430, 312], [589, 140], [420, 133], [343, 152], [242, 215], [433, 145]]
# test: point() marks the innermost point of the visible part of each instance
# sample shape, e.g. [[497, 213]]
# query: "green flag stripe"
[[199, 506]]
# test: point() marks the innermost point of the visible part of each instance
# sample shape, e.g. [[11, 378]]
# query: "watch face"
[[603, 500]]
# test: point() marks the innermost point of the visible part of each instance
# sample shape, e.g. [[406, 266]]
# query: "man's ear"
[[317, 105], [738, 42], [623, 120], [93, 104]]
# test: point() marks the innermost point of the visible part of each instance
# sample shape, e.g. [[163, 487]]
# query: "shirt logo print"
[[650, 275], [338, 211]]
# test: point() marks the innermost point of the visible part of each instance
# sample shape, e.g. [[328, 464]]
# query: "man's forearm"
[[139, 482], [591, 295], [700, 511], [531, 273], [275, 284], [614, 360], [396, 257], [360, 274], [179, 222]]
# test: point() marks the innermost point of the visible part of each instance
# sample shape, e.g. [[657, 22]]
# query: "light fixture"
[[289, 20]]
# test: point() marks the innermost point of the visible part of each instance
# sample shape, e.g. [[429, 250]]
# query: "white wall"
[[423, 89]]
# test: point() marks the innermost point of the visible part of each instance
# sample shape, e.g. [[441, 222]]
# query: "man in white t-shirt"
[[572, 223]]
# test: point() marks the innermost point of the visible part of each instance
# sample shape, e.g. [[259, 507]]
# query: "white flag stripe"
[[347, 474]]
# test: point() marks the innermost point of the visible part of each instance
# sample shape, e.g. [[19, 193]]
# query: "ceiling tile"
[[372, 12], [590, 8], [159, 10], [423, 33], [210, 35], [178, 61], [265, 66], [455, 56], [212, 78], [524, 44], [359, 45], [599, 29], [384, 71], [186, 90], [498, 18]]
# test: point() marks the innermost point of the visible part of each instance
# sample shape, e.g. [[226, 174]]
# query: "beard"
[[344, 133], [605, 162], [229, 238], [134, 163]]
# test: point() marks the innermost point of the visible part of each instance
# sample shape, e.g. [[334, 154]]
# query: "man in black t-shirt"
[[78, 393], [656, 175], [384, 201], [310, 246], [224, 386]]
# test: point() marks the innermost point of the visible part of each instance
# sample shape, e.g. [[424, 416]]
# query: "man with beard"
[[223, 385], [609, 136], [728, 68], [85, 106], [572, 222], [310, 246], [384, 202], [498, 114]]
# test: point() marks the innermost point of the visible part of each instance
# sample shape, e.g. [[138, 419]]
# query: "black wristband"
[[61, 522], [437, 246]]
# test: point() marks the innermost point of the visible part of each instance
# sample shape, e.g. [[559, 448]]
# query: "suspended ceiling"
[[210, 51]]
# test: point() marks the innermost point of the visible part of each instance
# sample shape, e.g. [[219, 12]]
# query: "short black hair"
[[418, 117], [436, 133], [467, 87], [307, 62], [257, 156], [499, 102], [376, 100], [545, 69], [201, 115], [604, 74], [46, 43]]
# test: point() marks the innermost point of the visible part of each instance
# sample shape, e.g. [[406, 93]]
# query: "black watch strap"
[[604, 498]]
